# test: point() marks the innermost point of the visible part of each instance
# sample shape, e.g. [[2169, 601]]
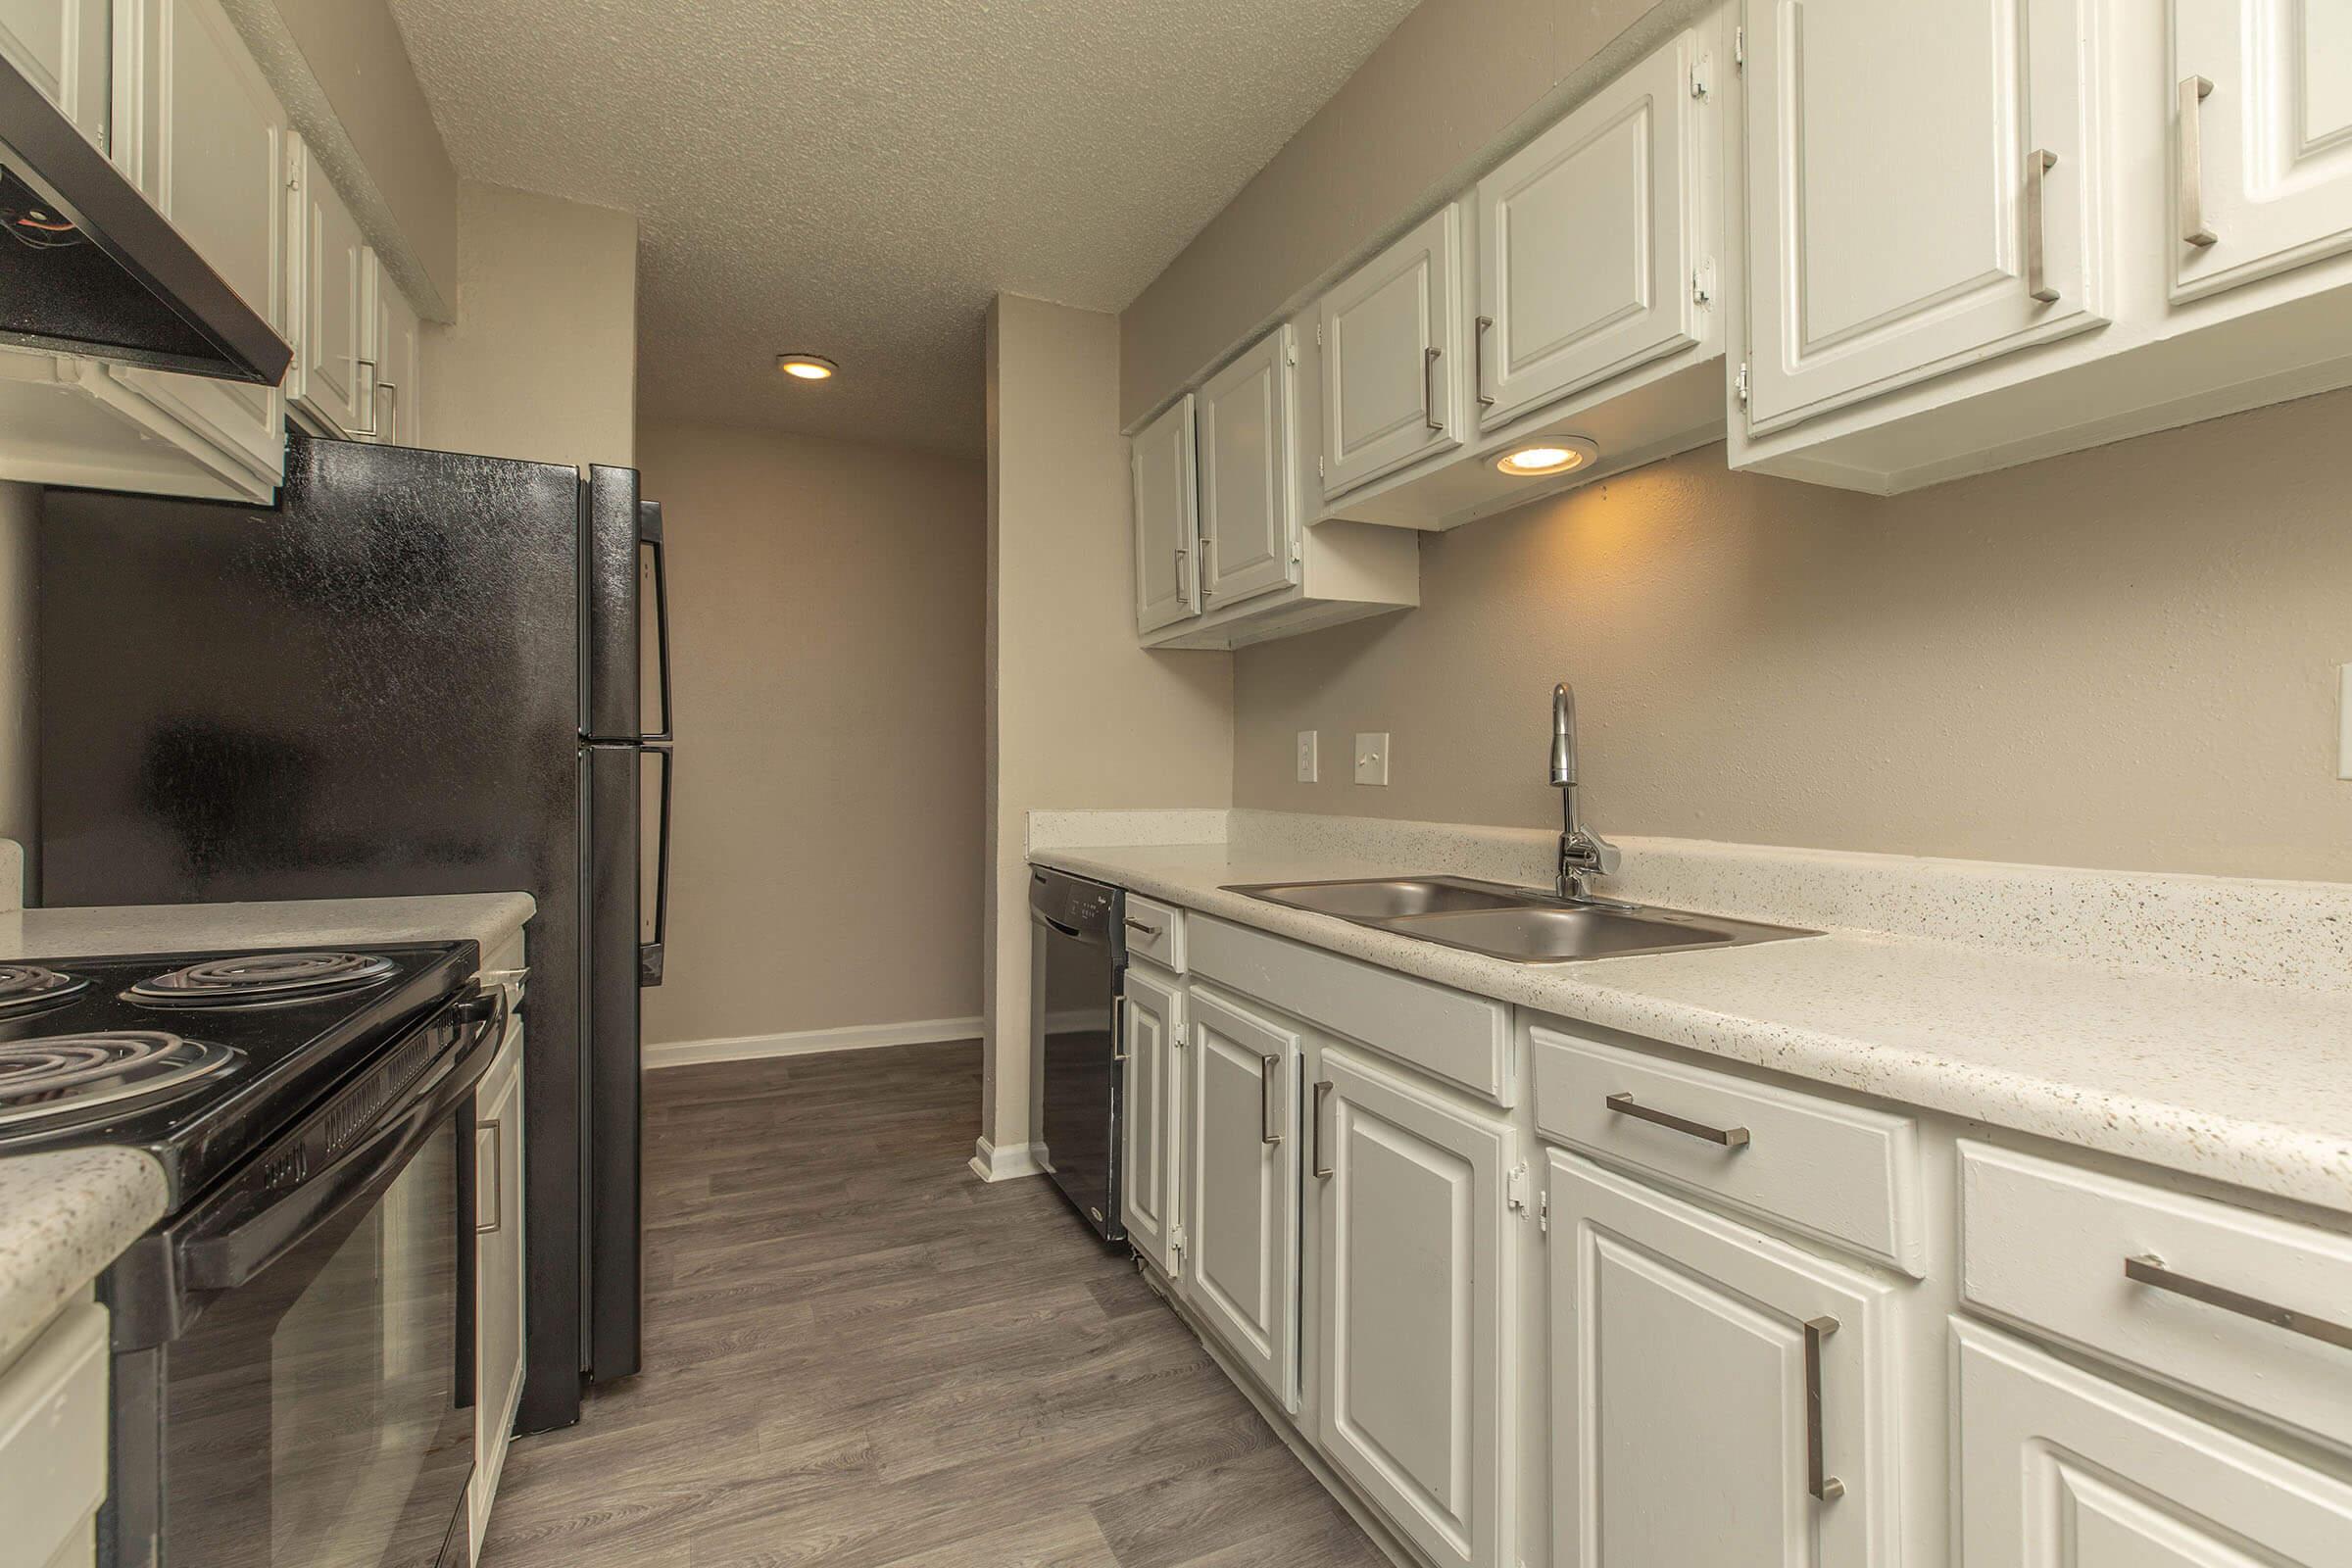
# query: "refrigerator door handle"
[[650, 538], [650, 955]]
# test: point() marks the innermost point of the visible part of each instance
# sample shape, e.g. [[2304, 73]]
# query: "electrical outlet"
[[1309, 770], [2343, 722], [1372, 758]]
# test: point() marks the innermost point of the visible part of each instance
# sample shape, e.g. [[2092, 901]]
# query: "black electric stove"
[[201, 1058]]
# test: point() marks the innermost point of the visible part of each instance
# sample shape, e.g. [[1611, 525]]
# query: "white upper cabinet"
[[1150, 1023], [63, 47], [1415, 1318], [1249, 500], [1240, 1202], [1984, 118], [1586, 241], [1717, 1396], [399, 391], [1389, 338], [1166, 518], [2261, 143], [336, 373]]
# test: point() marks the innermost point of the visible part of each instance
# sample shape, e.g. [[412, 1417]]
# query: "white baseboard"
[[993, 1164], [809, 1042]]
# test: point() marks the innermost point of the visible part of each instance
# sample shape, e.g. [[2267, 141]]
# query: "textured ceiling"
[[860, 178]]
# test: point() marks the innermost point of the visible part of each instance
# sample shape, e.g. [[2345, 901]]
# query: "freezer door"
[[615, 1302], [612, 661]]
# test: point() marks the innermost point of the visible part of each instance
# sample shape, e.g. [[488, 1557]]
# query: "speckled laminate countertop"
[[2240, 1082], [487, 918], [64, 1217]]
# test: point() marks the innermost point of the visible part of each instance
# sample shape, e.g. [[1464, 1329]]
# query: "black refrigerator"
[[418, 673]]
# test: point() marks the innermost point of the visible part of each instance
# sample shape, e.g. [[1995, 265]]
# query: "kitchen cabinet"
[[1391, 336], [2262, 139], [199, 132], [1992, 132], [1167, 483], [1415, 1323], [398, 381], [333, 379], [53, 1454], [2058, 1466], [1248, 498], [1717, 1396], [1591, 240], [65, 48], [1239, 1254], [498, 1270], [1151, 1034]]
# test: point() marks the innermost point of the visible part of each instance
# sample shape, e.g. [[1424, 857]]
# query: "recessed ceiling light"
[[807, 366], [1556, 454]]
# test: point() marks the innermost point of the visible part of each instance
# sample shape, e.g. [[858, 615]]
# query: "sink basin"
[[1520, 924], [1390, 897]]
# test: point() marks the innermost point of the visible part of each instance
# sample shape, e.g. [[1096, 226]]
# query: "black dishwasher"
[[1077, 970]]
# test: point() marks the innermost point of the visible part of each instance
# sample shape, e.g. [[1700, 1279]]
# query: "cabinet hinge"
[[1518, 1188], [1702, 283], [1544, 1213], [1698, 77], [1298, 554], [1319, 335], [1739, 48], [1740, 383], [1176, 1239], [1318, 465]]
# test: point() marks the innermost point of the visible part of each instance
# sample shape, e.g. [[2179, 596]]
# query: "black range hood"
[[88, 266]]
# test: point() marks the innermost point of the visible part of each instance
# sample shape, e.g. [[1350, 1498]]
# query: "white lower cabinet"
[[1151, 1030], [1717, 1395], [1241, 1199], [498, 1271], [1415, 1317], [2061, 1469], [53, 1414]]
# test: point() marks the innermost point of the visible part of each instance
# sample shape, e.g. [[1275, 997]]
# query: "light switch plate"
[[1372, 758], [2343, 722], [1310, 768]]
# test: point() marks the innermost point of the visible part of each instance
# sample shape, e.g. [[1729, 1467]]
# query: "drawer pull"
[[1728, 1137], [493, 1162], [1821, 1488], [1144, 928], [1267, 1131], [2150, 1270]]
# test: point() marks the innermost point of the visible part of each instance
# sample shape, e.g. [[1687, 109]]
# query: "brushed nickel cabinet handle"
[[1148, 931], [491, 1163], [369, 433], [1208, 543], [2148, 1269], [2194, 230], [1821, 1488], [1728, 1137], [1267, 1132], [1119, 1031], [1322, 1093], [1429, 389], [2038, 165], [1478, 361]]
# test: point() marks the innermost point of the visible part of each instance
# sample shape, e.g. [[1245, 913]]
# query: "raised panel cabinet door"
[[1414, 1326], [1249, 503], [1168, 511], [1586, 241], [2061, 1469], [1690, 1397], [1389, 332], [498, 1268], [1241, 1205], [63, 48], [1924, 191], [2262, 138], [336, 347], [1152, 1025]]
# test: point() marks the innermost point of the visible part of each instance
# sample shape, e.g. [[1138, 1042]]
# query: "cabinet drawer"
[[2047, 1245], [1156, 931], [1448, 1034], [1848, 1175]]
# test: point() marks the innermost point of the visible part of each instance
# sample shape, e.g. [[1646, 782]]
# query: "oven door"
[[311, 1403]]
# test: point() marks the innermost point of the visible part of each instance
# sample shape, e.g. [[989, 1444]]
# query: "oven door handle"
[[363, 1171]]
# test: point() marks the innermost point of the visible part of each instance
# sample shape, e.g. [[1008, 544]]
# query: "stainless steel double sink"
[[1520, 924]]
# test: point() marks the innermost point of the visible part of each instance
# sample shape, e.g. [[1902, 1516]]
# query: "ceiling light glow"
[[1559, 454], [807, 366]]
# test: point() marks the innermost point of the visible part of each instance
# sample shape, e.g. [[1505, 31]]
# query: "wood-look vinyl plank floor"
[[858, 1355]]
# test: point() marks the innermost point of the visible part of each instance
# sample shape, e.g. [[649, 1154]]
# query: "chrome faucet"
[[1583, 854]]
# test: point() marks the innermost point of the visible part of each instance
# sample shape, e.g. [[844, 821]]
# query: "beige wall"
[[2123, 657], [826, 603], [1457, 82], [542, 362], [1078, 713], [19, 729]]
